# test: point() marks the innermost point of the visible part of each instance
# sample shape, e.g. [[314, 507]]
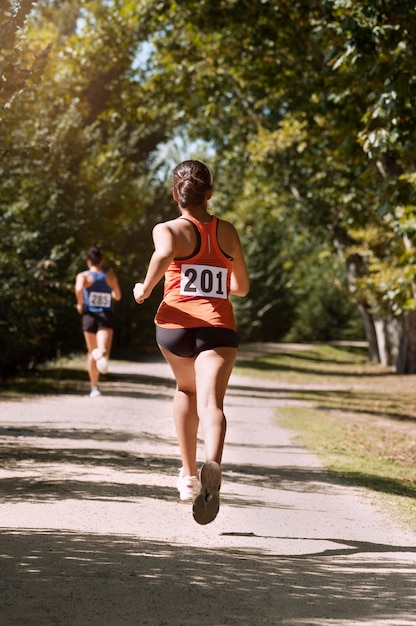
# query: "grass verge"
[[62, 377], [358, 418]]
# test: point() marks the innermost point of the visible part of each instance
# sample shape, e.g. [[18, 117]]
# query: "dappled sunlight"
[[299, 589], [93, 528]]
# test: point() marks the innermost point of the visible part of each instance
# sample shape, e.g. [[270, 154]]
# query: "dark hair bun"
[[191, 181]]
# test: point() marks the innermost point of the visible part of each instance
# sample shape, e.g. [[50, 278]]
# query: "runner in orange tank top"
[[203, 263], [197, 287]]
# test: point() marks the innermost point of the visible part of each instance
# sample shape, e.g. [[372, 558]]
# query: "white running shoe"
[[102, 362], [95, 392], [188, 487]]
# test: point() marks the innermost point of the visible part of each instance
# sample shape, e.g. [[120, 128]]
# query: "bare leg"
[[103, 341], [184, 409], [212, 370], [91, 342]]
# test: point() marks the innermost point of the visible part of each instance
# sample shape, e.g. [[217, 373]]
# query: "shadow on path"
[[80, 579]]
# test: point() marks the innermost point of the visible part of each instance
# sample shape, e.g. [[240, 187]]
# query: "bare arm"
[[159, 262], [240, 281], [112, 282], [230, 243], [79, 291]]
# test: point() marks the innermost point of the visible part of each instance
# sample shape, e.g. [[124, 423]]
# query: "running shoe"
[[188, 487], [94, 393], [102, 362], [207, 502]]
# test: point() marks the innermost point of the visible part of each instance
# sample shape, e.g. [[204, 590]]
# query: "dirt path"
[[93, 532]]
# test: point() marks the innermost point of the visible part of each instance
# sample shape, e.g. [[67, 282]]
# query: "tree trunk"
[[389, 333], [406, 359], [388, 343], [391, 340], [370, 334], [355, 267]]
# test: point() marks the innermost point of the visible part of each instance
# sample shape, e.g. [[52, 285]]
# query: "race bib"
[[100, 300], [204, 280]]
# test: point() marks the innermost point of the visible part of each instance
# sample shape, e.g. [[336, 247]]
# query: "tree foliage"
[[306, 111], [75, 169], [319, 95]]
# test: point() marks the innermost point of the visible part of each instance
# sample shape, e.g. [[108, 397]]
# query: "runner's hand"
[[138, 292]]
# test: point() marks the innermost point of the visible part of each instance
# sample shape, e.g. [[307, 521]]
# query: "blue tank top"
[[97, 297]]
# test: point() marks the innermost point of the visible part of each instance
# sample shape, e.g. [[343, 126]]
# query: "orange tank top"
[[197, 288]]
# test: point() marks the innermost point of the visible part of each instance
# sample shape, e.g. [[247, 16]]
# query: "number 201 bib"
[[204, 280]]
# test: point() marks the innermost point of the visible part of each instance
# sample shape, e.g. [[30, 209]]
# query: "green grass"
[[64, 376], [358, 418], [310, 365]]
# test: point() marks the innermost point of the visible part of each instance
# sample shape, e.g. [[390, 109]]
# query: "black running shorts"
[[189, 342], [91, 322]]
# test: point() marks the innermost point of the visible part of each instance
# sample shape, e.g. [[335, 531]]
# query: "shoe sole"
[[100, 360], [207, 502], [102, 367]]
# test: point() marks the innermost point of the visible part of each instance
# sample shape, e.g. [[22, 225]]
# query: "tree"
[[17, 68], [376, 42], [318, 94], [305, 107], [76, 168]]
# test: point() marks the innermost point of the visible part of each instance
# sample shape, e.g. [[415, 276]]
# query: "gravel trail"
[[93, 533]]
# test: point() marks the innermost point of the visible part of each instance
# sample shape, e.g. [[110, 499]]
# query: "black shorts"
[[189, 342], [91, 322]]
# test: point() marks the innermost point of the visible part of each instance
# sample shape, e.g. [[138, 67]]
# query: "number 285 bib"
[[204, 280], [100, 300]]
